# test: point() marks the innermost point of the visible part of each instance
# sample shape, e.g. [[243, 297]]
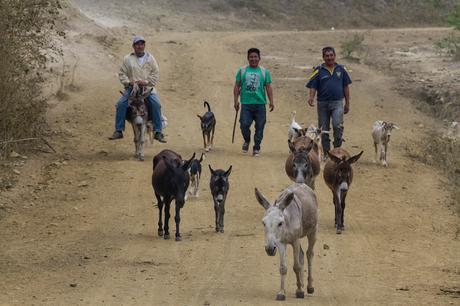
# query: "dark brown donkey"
[[170, 180], [338, 176], [303, 164]]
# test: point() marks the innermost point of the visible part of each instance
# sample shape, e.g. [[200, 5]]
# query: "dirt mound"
[[262, 14]]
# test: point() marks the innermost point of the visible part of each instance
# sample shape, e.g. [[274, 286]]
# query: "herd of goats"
[[292, 216]]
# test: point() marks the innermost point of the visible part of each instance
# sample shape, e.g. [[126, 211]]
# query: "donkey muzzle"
[[270, 250], [138, 120], [343, 186]]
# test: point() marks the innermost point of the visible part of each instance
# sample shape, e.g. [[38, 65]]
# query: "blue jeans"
[[154, 111], [328, 110], [250, 113]]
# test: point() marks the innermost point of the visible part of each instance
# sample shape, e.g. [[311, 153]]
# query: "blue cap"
[[137, 39]]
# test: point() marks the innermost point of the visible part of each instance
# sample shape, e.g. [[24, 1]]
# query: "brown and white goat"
[[381, 132], [338, 176], [316, 135]]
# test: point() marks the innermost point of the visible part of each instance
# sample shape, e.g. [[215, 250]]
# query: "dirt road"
[[82, 226]]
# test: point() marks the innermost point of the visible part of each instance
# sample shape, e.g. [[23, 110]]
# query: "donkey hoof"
[[217, 229], [166, 236], [299, 294], [141, 158], [178, 238], [160, 233], [338, 231], [280, 297], [221, 230], [310, 290], [343, 227]]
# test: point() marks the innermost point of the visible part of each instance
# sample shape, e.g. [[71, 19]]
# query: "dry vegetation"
[[25, 47]]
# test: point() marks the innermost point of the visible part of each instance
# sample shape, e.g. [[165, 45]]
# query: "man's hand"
[[311, 101], [237, 106], [271, 106], [346, 108], [143, 83]]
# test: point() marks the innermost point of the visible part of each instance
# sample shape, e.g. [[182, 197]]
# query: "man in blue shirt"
[[330, 80]]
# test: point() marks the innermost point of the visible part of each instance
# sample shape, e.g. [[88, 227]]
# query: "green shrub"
[[353, 45], [25, 47], [449, 46]]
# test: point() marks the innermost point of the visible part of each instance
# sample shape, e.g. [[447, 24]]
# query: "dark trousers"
[[250, 113]]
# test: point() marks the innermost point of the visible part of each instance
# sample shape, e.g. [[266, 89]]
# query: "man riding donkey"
[[139, 68]]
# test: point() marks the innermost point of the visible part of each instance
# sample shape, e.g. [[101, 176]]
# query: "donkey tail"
[[293, 116], [207, 104]]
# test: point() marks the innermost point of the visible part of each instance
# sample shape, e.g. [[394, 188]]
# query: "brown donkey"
[[338, 176], [170, 180], [303, 164]]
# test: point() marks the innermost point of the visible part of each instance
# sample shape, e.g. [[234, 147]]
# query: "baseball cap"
[[137, 39]]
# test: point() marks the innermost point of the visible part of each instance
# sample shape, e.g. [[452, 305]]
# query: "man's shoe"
[[116, 135], [160, 137], [245, 147], [256, 153]]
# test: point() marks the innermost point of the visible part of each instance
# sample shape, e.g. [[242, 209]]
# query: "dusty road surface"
[[80, 226]]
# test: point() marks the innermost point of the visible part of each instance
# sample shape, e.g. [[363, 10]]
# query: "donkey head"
[[136, 103], [274, 219], [301, 164], [344, 172], [180, 178], [219, 184]]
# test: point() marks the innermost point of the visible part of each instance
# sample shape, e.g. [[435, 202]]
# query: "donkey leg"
[[216, 211], [298, 268], [177, 219], [221, 218], [338, 213], [160, 211], [167, 216], [281, 296], [135, 140], [344, 195], [334, 199], [141, 142], [311, 243]]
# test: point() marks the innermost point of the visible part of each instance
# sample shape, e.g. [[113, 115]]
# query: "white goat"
[[293, 128], [381, 132], [315, 134]]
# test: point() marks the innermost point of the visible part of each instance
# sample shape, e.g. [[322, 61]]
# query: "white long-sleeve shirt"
[[133, 70]]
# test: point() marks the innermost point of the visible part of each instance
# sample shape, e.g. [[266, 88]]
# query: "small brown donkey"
[[303, 164], [170, 180], [338, 176], [293, 216]]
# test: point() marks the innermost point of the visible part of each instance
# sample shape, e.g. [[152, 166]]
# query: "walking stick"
[[234, 126]]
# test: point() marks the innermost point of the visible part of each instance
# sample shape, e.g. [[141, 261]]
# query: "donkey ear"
[[261, 199], [227, 173], [285, 201], [203, 156], [212, 170], [334, 158], [146, 93], [395, 126], [291, 146], [201, 118], [355, 158]]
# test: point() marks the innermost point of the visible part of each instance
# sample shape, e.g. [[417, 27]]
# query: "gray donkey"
[[219, 186], [137, 115], [293, 216]]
